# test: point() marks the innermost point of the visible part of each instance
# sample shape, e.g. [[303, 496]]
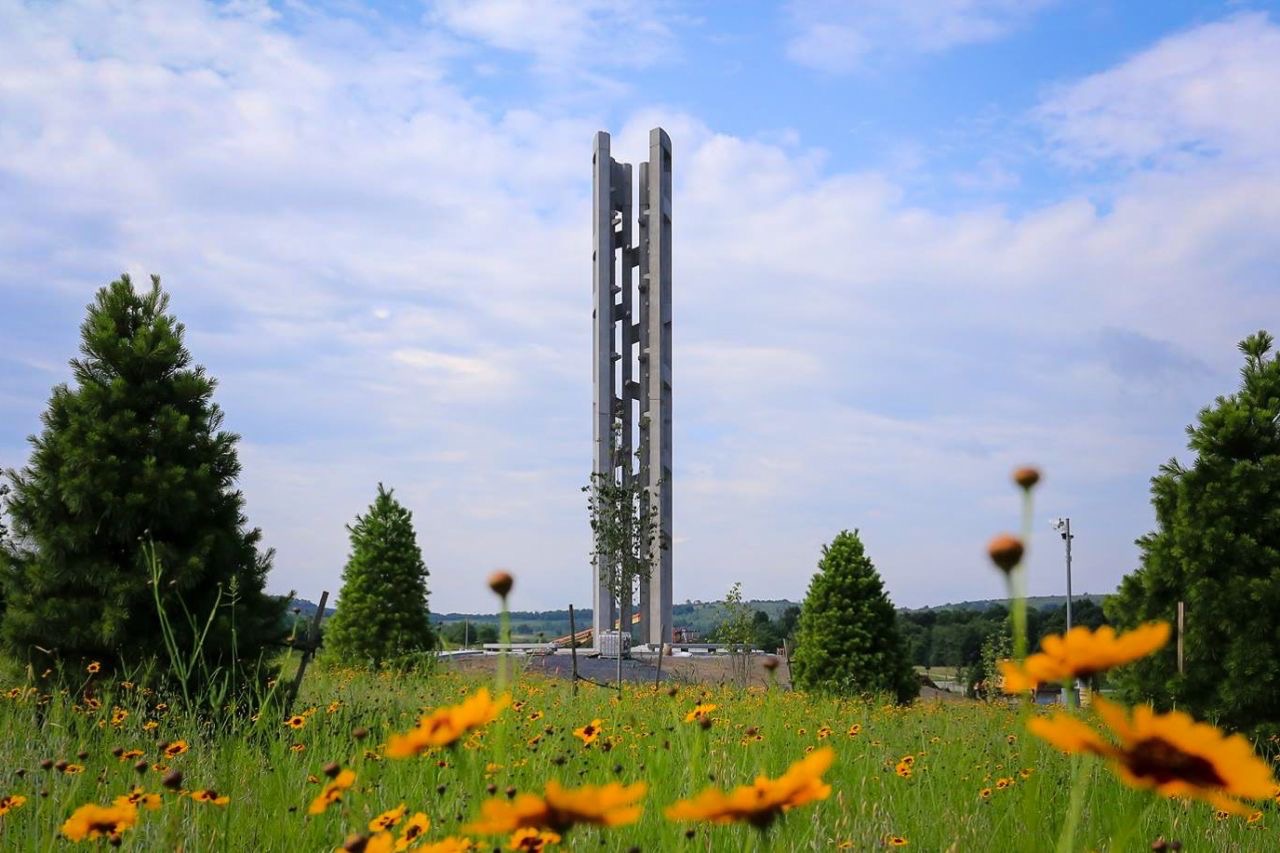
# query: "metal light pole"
[[1063, 526]]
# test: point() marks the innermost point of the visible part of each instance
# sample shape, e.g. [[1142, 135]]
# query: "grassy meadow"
[[933, 776]]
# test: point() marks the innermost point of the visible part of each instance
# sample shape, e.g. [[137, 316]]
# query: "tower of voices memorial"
[[631, 360]]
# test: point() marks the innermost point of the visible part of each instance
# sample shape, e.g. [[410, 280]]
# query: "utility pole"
[[1063, 526], [1066, 535]]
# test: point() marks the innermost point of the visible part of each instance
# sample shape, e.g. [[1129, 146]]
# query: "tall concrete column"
[[603, 354], [655, 597], [632, 338]]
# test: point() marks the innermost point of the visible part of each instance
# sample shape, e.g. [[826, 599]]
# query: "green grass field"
[[271, 772]]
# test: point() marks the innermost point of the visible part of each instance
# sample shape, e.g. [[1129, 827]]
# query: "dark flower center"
[[1157, 759]]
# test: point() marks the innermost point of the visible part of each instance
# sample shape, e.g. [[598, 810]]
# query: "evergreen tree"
[[1216, 547], [133, 454], [847, 640], [382, 610]]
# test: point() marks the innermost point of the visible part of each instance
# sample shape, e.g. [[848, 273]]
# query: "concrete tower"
[[631, 358]]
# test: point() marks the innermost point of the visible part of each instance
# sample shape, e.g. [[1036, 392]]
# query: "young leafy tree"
[[1216, 547], [133, 455], [847, 641], [382, 610]]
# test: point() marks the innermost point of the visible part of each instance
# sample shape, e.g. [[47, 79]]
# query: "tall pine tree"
[[382, 610], [1216, 547], [847, 640], [132, 454]]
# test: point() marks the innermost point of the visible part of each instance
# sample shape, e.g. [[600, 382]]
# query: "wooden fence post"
[[573, 650], [313, 638]]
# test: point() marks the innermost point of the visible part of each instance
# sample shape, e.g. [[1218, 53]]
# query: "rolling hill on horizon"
[[698, 616]]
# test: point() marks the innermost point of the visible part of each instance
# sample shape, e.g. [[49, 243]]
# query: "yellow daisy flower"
[[332, 792], [445, 726], [761, 802], [1082, 653], [559, 809], [1169, 753], [92, 821]]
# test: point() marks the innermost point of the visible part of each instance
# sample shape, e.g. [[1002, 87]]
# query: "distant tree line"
[[954, 637]]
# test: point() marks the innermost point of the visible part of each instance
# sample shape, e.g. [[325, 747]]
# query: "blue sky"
[[917, 244]]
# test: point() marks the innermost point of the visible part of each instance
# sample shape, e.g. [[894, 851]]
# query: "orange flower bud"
[[1005, 551], [501, 582], [1026, 477]]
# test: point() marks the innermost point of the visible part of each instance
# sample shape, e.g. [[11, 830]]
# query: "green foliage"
[[954, 636], [1216, 546], [382, 610], [847, 640], [738, 627], [132, 454], [625, 536], [770, 633], [469, 633], [984, 676]]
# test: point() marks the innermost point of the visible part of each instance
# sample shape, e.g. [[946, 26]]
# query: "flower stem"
[[1018, 583], [1067, 840]]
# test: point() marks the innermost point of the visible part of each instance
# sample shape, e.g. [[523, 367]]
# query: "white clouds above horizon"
[[389, 276], [1203, 93], [566, 34], [839, 37]]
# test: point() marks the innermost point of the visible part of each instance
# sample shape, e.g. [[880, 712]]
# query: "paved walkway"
[[603, 670]]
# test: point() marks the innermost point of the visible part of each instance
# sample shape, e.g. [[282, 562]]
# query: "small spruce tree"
[[847, 640], [382, 610], [1216, 547], [133, 455]]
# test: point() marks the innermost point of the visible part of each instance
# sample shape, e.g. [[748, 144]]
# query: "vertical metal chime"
[[631, 359]]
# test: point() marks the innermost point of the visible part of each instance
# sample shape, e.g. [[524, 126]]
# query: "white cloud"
[[391, 282], [1206, 92], [839, 37], [566, 35]]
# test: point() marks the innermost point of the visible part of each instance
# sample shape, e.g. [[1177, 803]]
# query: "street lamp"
[[1063, 526]]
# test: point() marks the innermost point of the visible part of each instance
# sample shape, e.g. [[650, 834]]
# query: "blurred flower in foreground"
[[761, 802], [445, 726], [560, 809], [1170, 753], [1081, 654], [1006, 552], [92, 821]]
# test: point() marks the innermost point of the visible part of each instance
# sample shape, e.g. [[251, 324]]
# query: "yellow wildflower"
[[588, 733], [414, 828], [139, 797], [446, 726], [1082, 653], [92, 821], [387, 819], [560, 809], [532, 840], [761, 802], [1170, 753], [699, 713], [332, 792], [11, 802]]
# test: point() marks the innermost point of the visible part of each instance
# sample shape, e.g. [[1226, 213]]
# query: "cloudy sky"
[[916, 245]]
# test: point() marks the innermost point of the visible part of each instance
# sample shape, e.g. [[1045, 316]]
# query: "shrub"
[[382, 612], [132, 455], [1216, 547], [847, 640]]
